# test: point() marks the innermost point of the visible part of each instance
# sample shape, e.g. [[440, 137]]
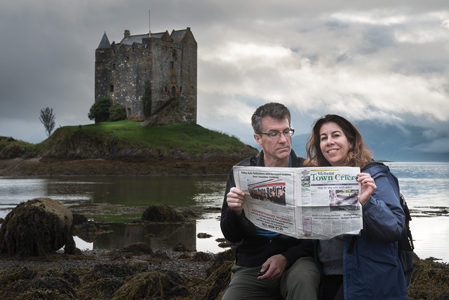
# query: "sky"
[[386, 61]]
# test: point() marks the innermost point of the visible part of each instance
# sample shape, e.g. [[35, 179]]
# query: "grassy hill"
[[128, 139]]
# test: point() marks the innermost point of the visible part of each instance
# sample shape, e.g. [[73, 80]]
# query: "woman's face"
[[333, 144]]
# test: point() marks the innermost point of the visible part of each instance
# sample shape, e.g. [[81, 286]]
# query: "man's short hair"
[[274, 110]]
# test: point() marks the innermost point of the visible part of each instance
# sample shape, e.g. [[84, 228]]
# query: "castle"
[[166, 62]]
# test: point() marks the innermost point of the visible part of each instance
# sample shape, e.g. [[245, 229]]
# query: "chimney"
[[127, 33]]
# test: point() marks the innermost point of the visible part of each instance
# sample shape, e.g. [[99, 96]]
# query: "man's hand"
[[274, 267], [235, 199]]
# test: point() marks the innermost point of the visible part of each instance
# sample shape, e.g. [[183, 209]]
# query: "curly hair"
[[358, 156]]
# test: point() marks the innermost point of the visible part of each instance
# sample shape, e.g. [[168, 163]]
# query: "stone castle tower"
[[167, 62]]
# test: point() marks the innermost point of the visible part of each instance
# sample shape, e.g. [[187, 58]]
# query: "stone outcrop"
[[37, 227]]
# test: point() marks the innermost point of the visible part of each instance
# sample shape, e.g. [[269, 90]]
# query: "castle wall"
[[171, 69], [167, 72]]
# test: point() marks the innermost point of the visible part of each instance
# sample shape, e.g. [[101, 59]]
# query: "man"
[[286, 265]]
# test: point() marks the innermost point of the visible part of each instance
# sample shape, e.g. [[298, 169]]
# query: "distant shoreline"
[[40, 166]]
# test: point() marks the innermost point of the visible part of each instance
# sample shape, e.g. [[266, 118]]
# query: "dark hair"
[[358, 156], [274, 110]]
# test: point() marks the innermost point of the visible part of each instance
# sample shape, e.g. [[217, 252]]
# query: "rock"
[[138, 265], [103, 288], [79, 219], [201, 256], [219, 274], [88, 231], [203, 235], [37, 227], [151, 285], [162, 213], [105, 270], [138, 249], [180, 247]]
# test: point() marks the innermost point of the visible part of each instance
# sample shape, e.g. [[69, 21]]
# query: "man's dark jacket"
[[253, 249]]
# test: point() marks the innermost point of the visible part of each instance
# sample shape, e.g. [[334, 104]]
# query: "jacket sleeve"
[[383, 214], [231, 224]]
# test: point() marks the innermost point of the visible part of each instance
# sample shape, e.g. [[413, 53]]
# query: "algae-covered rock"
[[16, 274], [41, 286], [162, 213], [37, 227], [430, 280], [151, 285], [102, 288], [138, 249]]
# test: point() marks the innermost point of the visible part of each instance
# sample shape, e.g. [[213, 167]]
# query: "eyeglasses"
[[277, 134]]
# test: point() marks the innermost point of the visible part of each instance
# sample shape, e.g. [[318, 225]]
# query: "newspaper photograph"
[[306, 203]]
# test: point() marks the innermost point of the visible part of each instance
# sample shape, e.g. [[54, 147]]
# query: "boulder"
[[162, 213], [37, 227]]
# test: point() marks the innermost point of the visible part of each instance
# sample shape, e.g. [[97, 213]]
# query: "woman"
[[366, 266]]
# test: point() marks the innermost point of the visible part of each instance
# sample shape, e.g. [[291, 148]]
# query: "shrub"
[[146, 100], [117, 112], [100, 109]]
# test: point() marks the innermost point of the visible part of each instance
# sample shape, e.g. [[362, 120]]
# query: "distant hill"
[[388, 142]]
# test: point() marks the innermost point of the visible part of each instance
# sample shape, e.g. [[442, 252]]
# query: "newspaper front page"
[[306, 203]]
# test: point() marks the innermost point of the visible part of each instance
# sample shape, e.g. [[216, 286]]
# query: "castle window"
[[111, 88], [113, 66], [180, 89], [165, 89], [173, 90], [171, 65]]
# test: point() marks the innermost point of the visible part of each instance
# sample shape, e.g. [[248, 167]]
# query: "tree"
[[100, 109], [146, 99], [48, 119], [117, 112]]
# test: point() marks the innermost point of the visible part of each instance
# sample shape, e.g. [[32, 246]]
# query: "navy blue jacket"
[[372, 269], [253, 249]]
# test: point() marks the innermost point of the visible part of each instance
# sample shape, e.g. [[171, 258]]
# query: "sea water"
[[424, 186]]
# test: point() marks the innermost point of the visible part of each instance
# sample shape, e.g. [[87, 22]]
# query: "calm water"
[[423, 184]]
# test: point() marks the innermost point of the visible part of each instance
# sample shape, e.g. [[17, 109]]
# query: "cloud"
[[365, 60]]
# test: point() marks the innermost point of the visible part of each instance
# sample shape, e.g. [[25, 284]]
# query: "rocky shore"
[[39, 166], [136, 272]]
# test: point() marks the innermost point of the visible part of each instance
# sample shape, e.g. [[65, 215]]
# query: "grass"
[[10, 142], [187, 137]]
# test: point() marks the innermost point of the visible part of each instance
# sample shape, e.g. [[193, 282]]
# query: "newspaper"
[[306, 203]]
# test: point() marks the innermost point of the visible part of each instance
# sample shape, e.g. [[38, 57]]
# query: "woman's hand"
[[235, 199], [368, 187]]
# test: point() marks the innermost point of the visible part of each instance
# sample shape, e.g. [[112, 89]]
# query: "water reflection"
[[159, 236], [129, 191]]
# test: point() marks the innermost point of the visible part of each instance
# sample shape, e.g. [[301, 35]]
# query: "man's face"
[[277, 151]]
